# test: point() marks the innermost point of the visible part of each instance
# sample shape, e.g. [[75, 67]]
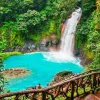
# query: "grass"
[[4, 56]]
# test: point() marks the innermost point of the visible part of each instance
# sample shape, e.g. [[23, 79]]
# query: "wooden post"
[[43, 96], [72, 91], [16, 98], [94, 83]]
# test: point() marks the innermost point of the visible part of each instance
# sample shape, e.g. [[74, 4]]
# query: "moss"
[[64, 73], [52, 27], [5, 55]]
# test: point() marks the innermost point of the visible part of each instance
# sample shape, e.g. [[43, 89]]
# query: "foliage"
[[10, 9], [93, 42], [88, 33], [9, 36], [28, 20], [1, 78], [2, 45], [3, 40]]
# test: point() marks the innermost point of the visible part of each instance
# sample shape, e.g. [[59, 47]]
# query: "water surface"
[[42, 70]]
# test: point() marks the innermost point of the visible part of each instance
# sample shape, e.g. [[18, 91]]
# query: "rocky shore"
[[15, 73], [61, 76]]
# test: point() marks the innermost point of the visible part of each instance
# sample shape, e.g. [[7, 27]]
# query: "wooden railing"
[[68, 89]]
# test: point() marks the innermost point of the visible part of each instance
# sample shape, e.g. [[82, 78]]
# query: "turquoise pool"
[[42, 70]]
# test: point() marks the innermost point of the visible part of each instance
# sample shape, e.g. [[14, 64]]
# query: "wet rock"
[[43, 45], [82, 56], [48, 42], [53, 39], [28, 46]]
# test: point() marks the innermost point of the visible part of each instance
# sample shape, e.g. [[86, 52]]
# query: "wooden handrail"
[[43, 90], [92, 70]]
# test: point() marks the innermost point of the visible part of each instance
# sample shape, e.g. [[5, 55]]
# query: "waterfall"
[[68, 35], [67, 40]]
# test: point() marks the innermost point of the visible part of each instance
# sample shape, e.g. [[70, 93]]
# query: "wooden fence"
[[74, 86]]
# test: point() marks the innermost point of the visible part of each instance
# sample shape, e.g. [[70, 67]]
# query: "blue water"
[[42, 70]]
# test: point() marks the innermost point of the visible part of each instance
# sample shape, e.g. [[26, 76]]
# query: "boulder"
[[61, 76], [29, 46], [64, 73], [43, 45]]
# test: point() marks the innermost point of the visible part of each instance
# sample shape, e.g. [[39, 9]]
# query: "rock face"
[[82, 55], [48, 44], [15, 73], [28, 46], [43, 45], [84, 60]]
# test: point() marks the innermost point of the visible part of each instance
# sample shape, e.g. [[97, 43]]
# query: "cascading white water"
[[68, 35], [67, 43]]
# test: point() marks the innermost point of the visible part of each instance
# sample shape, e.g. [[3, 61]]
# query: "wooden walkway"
[[69, 89]]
